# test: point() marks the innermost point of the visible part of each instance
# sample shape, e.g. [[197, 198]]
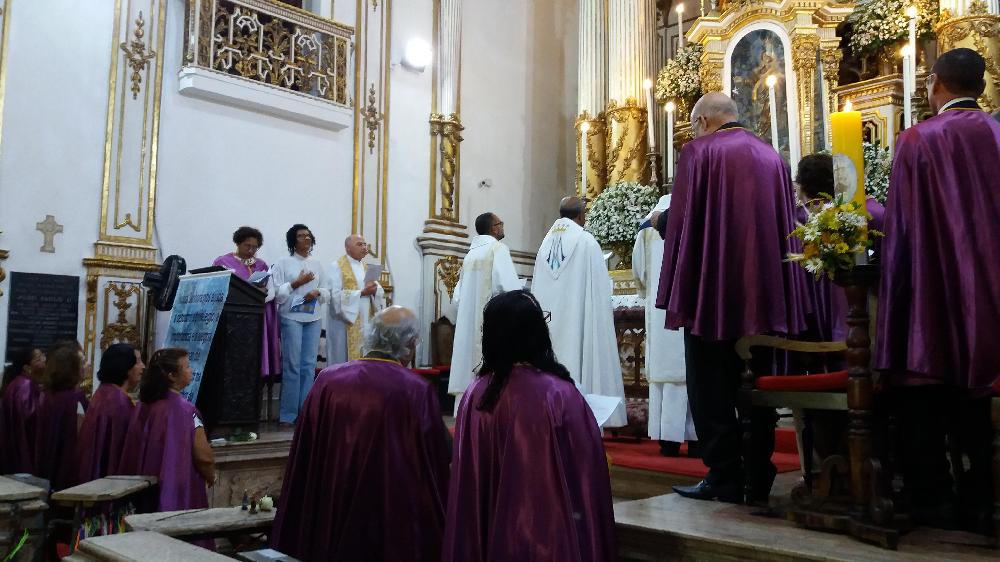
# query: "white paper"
[[259, 277], [372, 274], [603, 406]]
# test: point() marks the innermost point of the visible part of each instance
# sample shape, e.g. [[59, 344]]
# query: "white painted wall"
[[220, 166]]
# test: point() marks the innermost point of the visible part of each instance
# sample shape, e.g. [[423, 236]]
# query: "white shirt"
[[286, 270], [953, 102]]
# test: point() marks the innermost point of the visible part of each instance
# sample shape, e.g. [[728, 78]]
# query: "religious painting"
[[758, 55]]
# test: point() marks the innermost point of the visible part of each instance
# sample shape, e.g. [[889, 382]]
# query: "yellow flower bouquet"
[[832, 235]]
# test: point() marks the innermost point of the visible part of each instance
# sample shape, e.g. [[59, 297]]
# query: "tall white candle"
[[584, 159], [680, 26], [669, 144], [772, 100], [911, 13], [647, 84], [907, 53]]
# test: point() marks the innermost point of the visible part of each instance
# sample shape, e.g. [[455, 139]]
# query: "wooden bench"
[[192, 524], [142, 546], [109, 488]]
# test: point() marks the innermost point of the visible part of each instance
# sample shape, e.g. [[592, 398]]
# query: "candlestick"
[[584, 164], [669, 148], [680, 26], [906, 53], [911, 13], [845, 127], [772, 101], [647, 84]]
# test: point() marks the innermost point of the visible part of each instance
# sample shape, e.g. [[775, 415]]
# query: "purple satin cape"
[[939, 294], [724, 272], [530, 479], [18, 407], [160, 442], [270, 358], [368, 469], [56, 437], [102, 435]]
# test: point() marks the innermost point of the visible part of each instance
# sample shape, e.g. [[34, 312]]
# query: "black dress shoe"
[[670, 448], [705, 490]]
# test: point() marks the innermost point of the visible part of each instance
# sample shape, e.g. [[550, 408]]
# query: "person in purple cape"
[[99, 446], [367, 473], [19, 397], [529, 477], [725, 276], [939, 300], [244, 263], [59, 416], [166, 437]]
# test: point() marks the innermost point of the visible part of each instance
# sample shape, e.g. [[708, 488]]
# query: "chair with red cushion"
[[810, 391]]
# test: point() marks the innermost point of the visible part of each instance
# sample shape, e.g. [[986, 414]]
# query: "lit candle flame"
[[585, 127], [680, 8], [848, 106], [771, 81], [670, 107], [911, 12], [647, 83]]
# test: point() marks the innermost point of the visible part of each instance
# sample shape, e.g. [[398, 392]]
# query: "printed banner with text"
[[194, 318]]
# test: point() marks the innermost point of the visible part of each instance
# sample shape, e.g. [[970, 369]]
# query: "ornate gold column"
[[830, 57], [631, 29], [711, 72], [804, 49], [592, 93], [124, 249], [978, 30], [445, 121]]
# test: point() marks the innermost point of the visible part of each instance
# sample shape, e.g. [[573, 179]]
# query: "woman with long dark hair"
[[19, 397], [60, 415], [528, 452], [166, 437], [102, 435]]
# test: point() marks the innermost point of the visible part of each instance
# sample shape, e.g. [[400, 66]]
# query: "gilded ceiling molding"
[[371, 123], [4, 34]]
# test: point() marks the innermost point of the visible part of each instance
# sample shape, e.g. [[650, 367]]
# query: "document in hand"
[[372, 273]]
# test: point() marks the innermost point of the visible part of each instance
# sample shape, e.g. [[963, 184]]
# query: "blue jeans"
[[299, 346]]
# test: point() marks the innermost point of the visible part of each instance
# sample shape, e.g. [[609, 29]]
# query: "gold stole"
[[350, 283]]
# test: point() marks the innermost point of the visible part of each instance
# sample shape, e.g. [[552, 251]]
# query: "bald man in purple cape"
[[939, 297], [367, 475], [724, 276]]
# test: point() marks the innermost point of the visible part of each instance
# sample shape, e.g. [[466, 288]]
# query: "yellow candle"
[[845, 127]]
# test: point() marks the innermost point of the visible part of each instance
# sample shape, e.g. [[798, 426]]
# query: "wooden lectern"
[[229, 398]]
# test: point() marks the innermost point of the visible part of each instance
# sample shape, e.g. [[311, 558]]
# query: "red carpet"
[[645, 454]]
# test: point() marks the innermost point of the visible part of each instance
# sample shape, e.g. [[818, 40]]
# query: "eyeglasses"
[[928, 79], [496, 224], [547, 315]]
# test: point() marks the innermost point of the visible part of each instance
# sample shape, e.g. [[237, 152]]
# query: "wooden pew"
[[142, 546], [193, 524]]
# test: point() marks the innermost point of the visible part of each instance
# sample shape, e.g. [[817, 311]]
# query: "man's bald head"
[[573, 208], [712, 111], [356, 247]]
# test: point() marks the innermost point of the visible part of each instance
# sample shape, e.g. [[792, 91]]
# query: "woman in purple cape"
[[99, 447], [166, 438], [59, 416], [244, 263], [529, 477], [19, 397]]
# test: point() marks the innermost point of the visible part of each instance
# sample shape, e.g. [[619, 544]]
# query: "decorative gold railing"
[[271, 43]]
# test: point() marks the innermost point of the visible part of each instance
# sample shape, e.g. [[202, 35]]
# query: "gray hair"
[[391, 337]]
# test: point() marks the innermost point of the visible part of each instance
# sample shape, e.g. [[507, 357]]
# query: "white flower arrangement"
[[680, 77], [878, 165], [615, 215], [881, 23]]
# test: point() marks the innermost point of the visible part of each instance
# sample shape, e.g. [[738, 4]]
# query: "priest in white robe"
[[572, 284], [352, 302], [486, 270], [670, 420]]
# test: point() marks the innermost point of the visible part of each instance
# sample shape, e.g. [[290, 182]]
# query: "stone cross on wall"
[[49, 228]]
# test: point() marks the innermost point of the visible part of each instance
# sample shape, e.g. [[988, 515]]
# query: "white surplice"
[[669, 414], [346, 307], [486, 270], [571, 282]]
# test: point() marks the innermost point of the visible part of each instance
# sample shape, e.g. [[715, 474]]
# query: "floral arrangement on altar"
[[680, 77], [832, 235], [878, 165], [615, 214], [879, 24]]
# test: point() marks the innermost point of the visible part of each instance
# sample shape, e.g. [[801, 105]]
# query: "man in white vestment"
[[352, 302], [670, 419], [486, 270], [572, 284]]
